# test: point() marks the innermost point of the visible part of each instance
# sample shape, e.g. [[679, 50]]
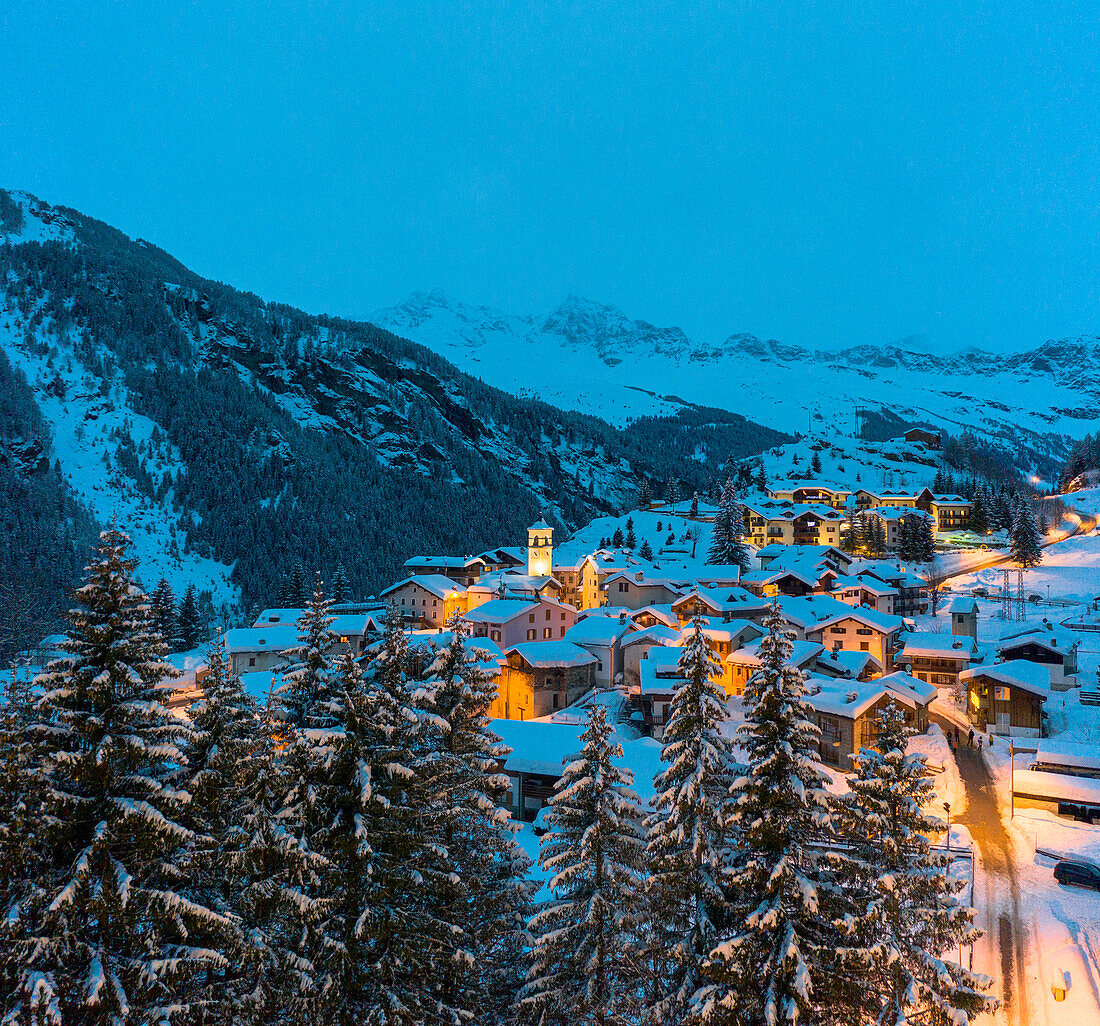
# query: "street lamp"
[[947, 806]]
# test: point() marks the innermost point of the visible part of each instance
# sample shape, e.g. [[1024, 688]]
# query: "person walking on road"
[[956, 737], [970, 739], [979, 742]]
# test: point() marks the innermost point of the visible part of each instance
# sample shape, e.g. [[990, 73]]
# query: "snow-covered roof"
[[847, 698], [278, 616], [1052, 639], [869, 617], [869, 584], [897, 512], [854, 662], [1060, 786], [352, 624], [269, 638], [594, 629], [940, 646], [823, 486], [659, 671], [802, 653], [1033, 678], [454, 562], [500, 610], [434, 584], [545, 655], [663, 613], [807, 610], [961, 604], [1076, 754], [540, 525], [538, 746], [485, 653], [911, 690], [658, 634]]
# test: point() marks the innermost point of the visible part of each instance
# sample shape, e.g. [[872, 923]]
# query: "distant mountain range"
[[590, 357]]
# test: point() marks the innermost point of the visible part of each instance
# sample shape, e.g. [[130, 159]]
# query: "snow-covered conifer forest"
[[338, 853]]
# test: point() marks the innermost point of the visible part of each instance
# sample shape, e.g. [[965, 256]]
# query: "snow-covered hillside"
[[87, 424], [593, 358]]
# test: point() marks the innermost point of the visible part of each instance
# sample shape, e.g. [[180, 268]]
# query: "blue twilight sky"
[[819, 173]]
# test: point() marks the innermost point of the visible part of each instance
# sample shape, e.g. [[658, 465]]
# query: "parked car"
[[1080, 873], [1035, 597], [979, 592]]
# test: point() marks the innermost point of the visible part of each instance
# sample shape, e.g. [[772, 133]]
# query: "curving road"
[[1083, 523], [997, 890]]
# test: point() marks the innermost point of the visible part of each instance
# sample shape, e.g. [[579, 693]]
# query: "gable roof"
[[500, 610], [433, 584], [546, 655], [962, 604], [868, 617], [1033, 678]]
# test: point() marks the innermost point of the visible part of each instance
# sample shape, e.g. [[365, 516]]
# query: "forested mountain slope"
[[234, 437]]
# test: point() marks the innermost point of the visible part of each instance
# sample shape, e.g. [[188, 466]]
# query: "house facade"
[[540, 677], [1007, 698], [511, 622]]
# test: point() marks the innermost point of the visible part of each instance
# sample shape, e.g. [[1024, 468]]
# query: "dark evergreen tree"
[[671, 494], [307, 693], [617, 538], [485, 886], [772, 966], [646, 551], [761, 479], [925, 548], [341, 588], [296, 587], [905, 919], [189, 624], [163, 604], [112, 934], [1024, 538], [630, 541], [582, 969], [727, 547], [645, 494], [686, 850], [815, 463], [694, 506], [978, 521]]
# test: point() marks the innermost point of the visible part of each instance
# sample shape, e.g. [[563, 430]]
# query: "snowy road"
[[997, 888]]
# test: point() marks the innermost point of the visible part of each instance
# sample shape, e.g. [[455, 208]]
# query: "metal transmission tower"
[[1006, 595], [1021, 610]]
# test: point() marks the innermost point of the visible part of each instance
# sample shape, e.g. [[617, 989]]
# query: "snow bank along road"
[[997, 887]]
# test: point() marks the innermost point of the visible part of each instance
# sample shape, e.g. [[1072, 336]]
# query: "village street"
[[996, 884]]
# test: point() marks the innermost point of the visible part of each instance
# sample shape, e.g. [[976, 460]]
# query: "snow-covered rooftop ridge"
[[1031, 677]]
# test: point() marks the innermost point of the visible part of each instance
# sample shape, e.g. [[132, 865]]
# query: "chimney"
[[850, 697]]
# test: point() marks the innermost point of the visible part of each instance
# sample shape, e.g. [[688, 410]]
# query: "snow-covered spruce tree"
[[486, 887], [22, 854], [163, 604], [694, 505], [582, 967], [387, 944], [1024, 538], [672, 496], [771, 965], [111, 941], [630, 540], [908, 544], [276, 878], [761, 479], [645, 494], [904, 917], [687, 834], [307, 693], [224, 739], [726, 545], [646, 551]]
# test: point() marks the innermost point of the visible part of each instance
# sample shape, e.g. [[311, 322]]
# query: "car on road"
[[979, 592], [1082, 874]]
